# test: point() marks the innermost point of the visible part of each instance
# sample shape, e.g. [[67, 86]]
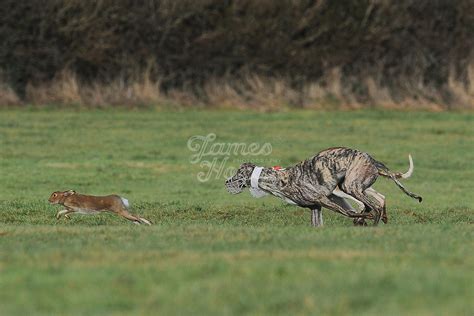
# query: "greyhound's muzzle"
[[235, 186]]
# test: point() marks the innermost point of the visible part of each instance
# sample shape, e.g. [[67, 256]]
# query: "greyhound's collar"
[[254, 189]]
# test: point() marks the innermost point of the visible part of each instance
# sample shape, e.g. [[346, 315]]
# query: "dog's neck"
[[272, 180]]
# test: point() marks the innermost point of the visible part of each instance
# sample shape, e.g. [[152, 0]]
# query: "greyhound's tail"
[[385, 172]]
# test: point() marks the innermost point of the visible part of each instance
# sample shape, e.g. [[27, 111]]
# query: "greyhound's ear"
[[69, 192], [247, 164]]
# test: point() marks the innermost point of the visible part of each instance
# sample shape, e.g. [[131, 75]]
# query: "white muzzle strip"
[[254, 189]]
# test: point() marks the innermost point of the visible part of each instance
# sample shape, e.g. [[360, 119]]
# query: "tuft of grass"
[[212, 253]]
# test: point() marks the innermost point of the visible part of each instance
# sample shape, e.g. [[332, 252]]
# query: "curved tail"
[[408, 174], [385, 172]]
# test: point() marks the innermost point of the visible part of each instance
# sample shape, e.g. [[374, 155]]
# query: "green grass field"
[[212, 253]]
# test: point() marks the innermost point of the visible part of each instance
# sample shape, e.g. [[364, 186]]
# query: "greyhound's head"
[[241, 179]]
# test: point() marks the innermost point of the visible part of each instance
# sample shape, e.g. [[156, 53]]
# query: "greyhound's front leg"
[[316, 216]]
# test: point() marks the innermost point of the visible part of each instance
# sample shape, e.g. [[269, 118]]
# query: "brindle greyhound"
[[315, 182]]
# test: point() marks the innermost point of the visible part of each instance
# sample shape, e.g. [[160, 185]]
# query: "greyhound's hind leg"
[[342, 194], [334, 206], [381, 199], [343, 203], [356, 190]]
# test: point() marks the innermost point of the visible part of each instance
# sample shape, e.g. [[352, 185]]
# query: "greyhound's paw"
[[359, 222]]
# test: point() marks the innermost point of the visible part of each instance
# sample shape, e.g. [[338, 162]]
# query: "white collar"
[[254, 189]]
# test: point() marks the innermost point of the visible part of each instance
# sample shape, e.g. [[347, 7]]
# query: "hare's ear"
[[70, 192]]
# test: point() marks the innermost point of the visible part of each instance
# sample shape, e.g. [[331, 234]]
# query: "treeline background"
[[260, 54]]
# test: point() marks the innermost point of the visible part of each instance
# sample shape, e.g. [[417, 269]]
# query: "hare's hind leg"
[[145, 221], [136, 219], [125, 214]]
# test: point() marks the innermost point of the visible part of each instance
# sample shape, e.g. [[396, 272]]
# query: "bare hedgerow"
[[462, 92], [250, 91], [66, 90], [259, 54], [8, 97]]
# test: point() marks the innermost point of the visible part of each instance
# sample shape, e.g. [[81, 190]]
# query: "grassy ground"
[[212, 253]]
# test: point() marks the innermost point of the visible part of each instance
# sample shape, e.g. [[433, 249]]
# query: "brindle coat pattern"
[[311, 182]]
